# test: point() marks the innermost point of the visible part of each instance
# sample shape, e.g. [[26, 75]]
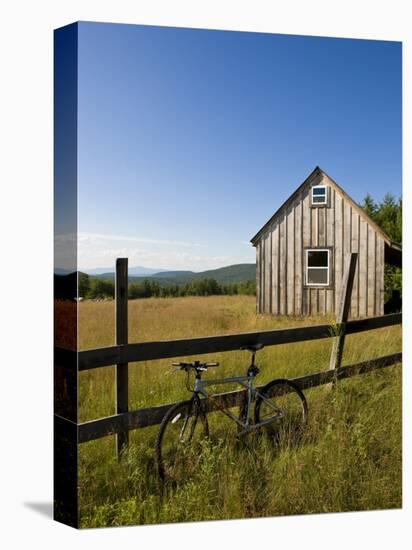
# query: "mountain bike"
[[280, 410]]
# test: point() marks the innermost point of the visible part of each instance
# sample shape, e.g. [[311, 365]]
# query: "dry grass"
[[350, 458]]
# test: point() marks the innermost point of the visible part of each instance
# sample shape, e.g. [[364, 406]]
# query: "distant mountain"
[[230, 274], [134, 271], [168, 274]]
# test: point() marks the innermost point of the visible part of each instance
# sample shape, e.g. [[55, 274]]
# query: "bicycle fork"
[[192, 415]]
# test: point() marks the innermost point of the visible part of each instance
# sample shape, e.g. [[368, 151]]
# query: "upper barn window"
[[318, 267], [319, 194]]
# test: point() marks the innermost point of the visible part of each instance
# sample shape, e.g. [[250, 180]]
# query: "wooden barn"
[[302, 251]]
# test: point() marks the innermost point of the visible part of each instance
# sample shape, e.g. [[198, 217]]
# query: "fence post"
[[343, 313], [122, 375]]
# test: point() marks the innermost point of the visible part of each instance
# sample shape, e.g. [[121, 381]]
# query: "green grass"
[[349, 457]]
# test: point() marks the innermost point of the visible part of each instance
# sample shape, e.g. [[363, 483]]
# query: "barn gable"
[[302, 250]]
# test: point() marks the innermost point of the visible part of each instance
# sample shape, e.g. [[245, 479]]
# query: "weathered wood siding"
[[338, 226]]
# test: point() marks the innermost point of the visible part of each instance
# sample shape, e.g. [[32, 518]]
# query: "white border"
[[27, 237]]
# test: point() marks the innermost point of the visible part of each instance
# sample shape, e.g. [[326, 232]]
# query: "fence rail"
[[163, 349]]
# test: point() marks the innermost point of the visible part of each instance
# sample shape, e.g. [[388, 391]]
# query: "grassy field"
[[348, 459]]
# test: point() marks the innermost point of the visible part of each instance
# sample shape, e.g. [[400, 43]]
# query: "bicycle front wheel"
[[281, 409], [178, 443]]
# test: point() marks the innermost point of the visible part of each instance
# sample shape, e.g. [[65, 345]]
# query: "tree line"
[[388, 215], [95, 288]]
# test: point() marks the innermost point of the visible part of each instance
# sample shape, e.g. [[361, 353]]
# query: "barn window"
[[317, 267], [319, 194]]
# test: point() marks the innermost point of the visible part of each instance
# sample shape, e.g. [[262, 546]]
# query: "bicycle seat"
[[253, 347]]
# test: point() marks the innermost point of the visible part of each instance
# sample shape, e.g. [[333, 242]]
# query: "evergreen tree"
[[101, 288], [369, 206], [388, 215], [84, 284]]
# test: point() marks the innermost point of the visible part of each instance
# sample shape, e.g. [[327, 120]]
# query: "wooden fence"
[[123, 353]]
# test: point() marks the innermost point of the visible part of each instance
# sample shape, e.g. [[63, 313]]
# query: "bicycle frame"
[[246, 382]]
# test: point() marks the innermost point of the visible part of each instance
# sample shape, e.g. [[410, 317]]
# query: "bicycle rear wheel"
[[178, 443], [282, 409]]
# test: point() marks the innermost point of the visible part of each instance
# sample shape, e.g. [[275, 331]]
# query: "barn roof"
[[395, 248]]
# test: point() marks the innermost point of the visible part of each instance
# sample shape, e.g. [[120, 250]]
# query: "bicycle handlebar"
[[195, 365]]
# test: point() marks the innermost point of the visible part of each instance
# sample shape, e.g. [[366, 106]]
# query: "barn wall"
[[281, 288]]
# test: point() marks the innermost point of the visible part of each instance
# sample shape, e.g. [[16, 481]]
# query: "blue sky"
[[189, 140]]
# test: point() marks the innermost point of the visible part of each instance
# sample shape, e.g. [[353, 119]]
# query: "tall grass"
[[349, 457]]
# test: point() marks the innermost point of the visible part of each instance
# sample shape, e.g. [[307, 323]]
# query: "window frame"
[[328, 267], [318, 203]]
